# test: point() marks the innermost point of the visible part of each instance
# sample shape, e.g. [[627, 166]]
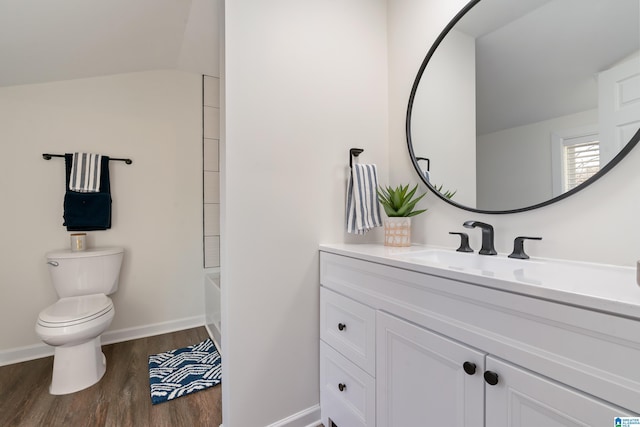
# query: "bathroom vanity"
[[421, 336]]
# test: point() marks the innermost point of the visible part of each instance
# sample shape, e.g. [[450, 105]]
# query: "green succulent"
[[399, 202]]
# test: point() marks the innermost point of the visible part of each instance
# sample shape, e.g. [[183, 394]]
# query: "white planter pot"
[[397, 231]]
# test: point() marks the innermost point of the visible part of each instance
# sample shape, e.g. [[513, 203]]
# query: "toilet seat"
[[72, 311]]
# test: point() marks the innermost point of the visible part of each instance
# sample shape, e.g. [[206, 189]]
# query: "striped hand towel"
[[363, 209], [85, 173]]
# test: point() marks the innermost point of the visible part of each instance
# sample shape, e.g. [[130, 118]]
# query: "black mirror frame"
[[626, 149]]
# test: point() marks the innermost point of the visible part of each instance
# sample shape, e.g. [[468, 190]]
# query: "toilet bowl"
[[74, 323]]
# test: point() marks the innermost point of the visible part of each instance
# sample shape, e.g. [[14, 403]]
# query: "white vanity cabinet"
[[440, 342]]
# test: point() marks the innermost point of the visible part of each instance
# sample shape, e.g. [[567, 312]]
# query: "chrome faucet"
[[487, 236]]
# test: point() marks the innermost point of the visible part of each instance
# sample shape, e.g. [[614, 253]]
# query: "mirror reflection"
[[523, 101]]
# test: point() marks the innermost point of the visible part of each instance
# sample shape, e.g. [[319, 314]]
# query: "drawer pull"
[[342, 387], [342, 326], [469, 368], [491, 377]]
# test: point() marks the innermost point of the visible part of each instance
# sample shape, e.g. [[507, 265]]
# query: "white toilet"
[[73, 325]]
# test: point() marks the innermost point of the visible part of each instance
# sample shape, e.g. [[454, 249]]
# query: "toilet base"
[[76, 367]]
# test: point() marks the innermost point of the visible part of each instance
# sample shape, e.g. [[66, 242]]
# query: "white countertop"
[[600, 287]]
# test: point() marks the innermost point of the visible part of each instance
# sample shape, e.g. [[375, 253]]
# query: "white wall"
[[597, 224], [305, 81], [514, 165], [154, 118]]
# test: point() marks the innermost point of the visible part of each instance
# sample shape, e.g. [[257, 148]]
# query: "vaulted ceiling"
[[45, 40], [540, 59]]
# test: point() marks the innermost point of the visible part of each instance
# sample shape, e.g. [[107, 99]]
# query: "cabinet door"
[[524, 399], [420, 379]]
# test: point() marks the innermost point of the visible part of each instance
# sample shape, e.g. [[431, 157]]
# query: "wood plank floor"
[[120, 399]]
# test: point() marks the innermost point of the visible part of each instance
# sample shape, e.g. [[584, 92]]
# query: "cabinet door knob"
[[469, 368], [342, 326], [342, 387], [491, 377]]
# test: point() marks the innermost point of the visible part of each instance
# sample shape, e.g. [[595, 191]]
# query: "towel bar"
[[47, 156]]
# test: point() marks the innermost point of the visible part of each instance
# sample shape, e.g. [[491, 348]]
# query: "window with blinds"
[[582, 161]]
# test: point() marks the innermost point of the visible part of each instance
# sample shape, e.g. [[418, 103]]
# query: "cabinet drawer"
[[349, 327], [347, 393]]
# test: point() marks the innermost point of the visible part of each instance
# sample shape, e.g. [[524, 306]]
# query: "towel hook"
[[354, 152]]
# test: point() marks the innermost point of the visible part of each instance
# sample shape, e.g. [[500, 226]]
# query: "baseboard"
[[23, 354], [37, 351], [120, 335], [215, 336], [309, 417]]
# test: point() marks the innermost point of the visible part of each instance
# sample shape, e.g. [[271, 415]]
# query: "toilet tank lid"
[[92, 252]]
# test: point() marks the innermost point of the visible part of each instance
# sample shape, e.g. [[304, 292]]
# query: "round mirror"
[[519, 104]]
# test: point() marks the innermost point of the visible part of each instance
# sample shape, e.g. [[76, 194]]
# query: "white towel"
[[85, 173], [363, 208]]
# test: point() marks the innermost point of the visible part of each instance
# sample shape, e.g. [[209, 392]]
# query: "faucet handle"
[[464, 242], [518, 247]]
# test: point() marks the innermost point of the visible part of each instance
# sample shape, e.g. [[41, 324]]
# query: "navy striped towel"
[[363, 209], [85, 173]]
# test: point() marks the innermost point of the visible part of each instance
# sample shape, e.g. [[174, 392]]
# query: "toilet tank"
[[92, 271]]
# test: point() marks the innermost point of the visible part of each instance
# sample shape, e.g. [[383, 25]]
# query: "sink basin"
[[485, 264], [569, 275], [602, 287]]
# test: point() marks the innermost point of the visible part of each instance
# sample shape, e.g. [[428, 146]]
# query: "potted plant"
[[399, 204]]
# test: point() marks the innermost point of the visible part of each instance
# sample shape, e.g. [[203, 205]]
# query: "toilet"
[[73, 324]]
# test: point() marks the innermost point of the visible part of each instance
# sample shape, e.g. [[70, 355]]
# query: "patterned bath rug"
[[185, 370]]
